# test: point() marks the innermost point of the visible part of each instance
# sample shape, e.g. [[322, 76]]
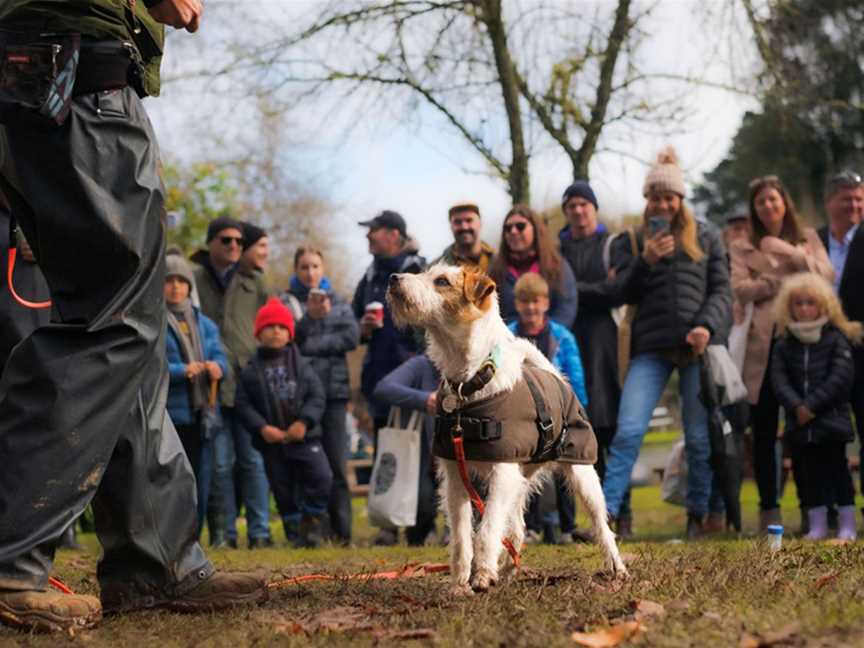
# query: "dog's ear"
[[478, 287]]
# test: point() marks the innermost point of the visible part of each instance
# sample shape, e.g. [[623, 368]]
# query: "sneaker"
[[532, 537], [49, 611]]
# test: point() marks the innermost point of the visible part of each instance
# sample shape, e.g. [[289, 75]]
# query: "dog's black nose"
[[394, 279]]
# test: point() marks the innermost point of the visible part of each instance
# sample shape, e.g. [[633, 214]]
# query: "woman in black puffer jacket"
[[678, 279], [326, 332], [812, 373]]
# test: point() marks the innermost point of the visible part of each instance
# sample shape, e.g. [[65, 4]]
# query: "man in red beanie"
[[280, 401]]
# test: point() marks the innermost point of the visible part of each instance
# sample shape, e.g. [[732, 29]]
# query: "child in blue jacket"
[[561, 348], [195, 359]]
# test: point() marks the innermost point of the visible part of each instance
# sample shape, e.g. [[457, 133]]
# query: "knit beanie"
[[665, 175], [222, 223], [251, 235], [176, 266], [274, 312], [579, 189]]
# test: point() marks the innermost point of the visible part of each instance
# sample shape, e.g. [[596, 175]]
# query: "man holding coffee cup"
[[393, 251]]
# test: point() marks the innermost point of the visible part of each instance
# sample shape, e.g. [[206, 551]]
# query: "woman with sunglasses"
[[677, 277], [777, 247], [527, 247]]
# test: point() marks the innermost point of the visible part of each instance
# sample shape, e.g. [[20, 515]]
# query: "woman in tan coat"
[[778, 246]]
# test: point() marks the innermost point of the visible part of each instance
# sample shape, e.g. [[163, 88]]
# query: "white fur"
[[457, 347]]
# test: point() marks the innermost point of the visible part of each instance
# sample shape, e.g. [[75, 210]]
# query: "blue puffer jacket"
[[565, 356], [179, 406]]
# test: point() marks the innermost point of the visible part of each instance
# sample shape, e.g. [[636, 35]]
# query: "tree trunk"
[[518, 178]]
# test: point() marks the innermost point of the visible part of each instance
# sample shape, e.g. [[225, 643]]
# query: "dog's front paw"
[[483, 579], [460, 591]]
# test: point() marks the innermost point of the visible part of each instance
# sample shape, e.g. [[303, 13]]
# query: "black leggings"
[[764, 418], [827, 478]]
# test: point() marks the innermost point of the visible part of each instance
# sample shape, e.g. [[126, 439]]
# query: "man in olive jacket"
[[82, 400], [231, 295]]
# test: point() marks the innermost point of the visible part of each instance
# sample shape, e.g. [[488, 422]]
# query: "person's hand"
[[698, 338], [659, 246], [194, 368], [214, 370], [296, 432], [318, 306], [272, 434], [432, 402], [803, 415], [368, 325], [612, 273], [778, 247], [180, 14]]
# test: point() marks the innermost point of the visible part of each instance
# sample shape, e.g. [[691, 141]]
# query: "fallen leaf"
[[609, 637], [827, 579], [645, 609], [678, 604], [338, 619], [784, 635], [713, 616]]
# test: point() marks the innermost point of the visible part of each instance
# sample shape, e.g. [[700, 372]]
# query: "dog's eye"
[[442, 281]]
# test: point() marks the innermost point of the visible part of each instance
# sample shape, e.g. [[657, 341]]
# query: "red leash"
[[474, 496], [13, 252]]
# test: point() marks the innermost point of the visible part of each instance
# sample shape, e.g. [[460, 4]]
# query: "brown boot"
[[219, 591], [48, 611], [222, 590]]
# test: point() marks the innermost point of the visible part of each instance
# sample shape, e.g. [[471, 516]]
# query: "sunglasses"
[[763, 180], [227, 240], [519, 227]]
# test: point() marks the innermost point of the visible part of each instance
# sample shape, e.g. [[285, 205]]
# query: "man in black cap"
[[231, 294], [586, 245], [393, 252]]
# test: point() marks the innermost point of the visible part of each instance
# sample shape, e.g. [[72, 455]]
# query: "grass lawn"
[[722, 592]]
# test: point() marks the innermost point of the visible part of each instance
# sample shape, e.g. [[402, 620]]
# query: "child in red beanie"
[[280, 401]]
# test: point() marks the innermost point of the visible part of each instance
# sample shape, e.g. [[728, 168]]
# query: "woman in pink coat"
[[778, 246]]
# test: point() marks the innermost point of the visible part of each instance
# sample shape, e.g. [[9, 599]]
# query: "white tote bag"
[[396, 473], [738, 338]]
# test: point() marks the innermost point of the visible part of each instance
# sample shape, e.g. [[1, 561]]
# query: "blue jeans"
[[234, 446], [643, 387]]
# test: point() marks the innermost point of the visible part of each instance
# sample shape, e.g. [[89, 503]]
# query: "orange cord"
[[59, 585], [13, 252]]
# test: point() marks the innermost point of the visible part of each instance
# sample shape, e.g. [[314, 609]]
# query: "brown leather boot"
[[714, 523], [222, 590], [219, 591], [48, 611]]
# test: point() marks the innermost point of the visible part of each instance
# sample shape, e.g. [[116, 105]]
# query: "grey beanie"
[[665, 175], [176, 266]]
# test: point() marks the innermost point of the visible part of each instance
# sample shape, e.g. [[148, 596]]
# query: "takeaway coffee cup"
[[775, 537], [376, 310]]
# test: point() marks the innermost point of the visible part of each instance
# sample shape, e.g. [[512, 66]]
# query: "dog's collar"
[[463, 390]]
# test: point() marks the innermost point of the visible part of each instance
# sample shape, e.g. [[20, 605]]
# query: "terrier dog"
[[458, 308]]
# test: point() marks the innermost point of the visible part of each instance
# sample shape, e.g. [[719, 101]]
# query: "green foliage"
[[194, 197], [812, 116]]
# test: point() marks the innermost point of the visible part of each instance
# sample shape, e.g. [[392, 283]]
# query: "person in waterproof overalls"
[[82, 400]]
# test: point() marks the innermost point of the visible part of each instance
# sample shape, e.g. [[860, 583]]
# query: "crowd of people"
[[616, 314]]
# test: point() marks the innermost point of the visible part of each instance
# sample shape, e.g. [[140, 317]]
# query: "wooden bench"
[[351, 476]]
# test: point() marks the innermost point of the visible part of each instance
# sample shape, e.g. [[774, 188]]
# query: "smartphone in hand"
[[658, 224]]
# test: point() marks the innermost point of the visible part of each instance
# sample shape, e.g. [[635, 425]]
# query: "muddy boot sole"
[[25, 618]]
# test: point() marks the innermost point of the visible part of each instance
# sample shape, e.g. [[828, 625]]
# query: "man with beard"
[[467, 248]]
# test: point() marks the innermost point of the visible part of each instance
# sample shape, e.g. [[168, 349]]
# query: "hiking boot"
[[386, 538], [311, 532], [260, 543], [49, 611], [695, 526], [532, 537], [292, 530]]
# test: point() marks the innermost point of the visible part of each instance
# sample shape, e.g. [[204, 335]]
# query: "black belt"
[[473, 429], [103, 65]]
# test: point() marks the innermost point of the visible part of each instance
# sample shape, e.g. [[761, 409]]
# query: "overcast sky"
[[419, 170]]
